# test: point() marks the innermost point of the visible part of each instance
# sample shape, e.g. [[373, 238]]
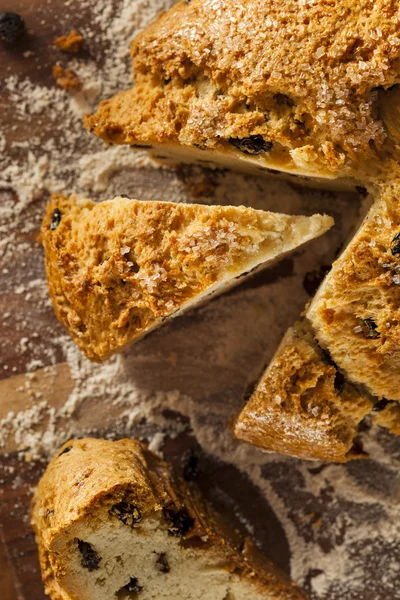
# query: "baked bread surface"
[[120, 268], [356, 311], [294, 86], [389, 417], [302, 404], [112, 520]]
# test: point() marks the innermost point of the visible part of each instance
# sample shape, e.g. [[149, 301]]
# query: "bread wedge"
[[302, 405], [303, 88], [389, 417], [112, 521], [356, 311], [118, 269]]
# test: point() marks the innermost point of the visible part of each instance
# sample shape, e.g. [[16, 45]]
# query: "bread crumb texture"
[[301, 83], [389, 417], [71, 42], [113, 521], [302, 404], [356, 312], [66, 78], [119, 268]]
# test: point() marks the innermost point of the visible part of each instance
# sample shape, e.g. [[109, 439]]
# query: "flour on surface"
[[190, 376]]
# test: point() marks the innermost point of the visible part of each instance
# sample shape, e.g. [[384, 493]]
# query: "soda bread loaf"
[[356, 311], [302, 405], [297, 87], [112, 521], [120, 268]]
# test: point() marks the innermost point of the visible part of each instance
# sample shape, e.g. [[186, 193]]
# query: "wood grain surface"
[[321, 518], [19, 575]]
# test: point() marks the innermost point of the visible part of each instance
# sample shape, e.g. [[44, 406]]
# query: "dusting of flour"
[[341, 521]]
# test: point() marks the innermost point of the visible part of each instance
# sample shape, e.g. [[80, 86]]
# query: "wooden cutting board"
[[223, 484]]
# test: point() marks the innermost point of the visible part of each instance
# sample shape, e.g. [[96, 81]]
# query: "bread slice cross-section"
[[113, 522], [284, 85], [303, 405], [120, 268]]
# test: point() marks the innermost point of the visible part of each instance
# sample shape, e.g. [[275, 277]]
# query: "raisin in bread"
[[112, 521], [120, 268], [356, 311], [302, 404], [303, 88]]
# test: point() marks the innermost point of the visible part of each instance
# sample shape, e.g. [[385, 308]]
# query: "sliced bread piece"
[[112, 521], [388, 417], [302, 405], [120, 268], [290, 86], [356, 311]]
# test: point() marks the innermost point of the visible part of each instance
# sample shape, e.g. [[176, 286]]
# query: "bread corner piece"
[[389, 417], [265, 85], [302, 405], [112, 521], [356, 312], [120, 268]]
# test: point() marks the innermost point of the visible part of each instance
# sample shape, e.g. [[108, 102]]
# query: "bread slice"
[[302, 404], [389, 417], [356, 311], [293, 87], [112, 521], [118, 269]]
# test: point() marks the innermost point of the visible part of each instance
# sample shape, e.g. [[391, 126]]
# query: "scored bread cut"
[[356, 311], [305, 88], [120, 268], [302, 405], [113, 521]]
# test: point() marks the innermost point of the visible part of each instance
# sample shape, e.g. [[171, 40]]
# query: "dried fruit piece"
[[72, 42], [255, 144], [133, 586], [396, 247], [162, 564], [370, 328], [55, 219], [90, 558], [67, 449], [181, 521], [12, 26], [129, 514]]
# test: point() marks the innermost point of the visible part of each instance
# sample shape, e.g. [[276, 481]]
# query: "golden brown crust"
[[117, 269], [302, 76], [302, 405], [389, 417], [316, 82], [91, 473], [356, 312]]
